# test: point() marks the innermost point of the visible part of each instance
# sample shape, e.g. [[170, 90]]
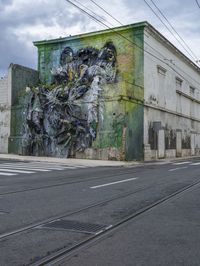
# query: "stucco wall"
[[20, 78], [172, 98], [120, 130], [5, 112]]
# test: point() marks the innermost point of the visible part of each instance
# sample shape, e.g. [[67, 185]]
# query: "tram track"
[[64, 253], [60, 252], [67, 214]]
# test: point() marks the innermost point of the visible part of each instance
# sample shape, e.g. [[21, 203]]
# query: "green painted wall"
[[122, 123], [21, 77]]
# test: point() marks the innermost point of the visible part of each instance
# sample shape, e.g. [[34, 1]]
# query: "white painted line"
[[55, 168], [80, 166], [59, 165], [51, 165], [181, 163], [195, 163], [176, 169], [16, 171], [31, 166], [40, 165], [67, 167], [7, 174], [113, 183], [25, 168]]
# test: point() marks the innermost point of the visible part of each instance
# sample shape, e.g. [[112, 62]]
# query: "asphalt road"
[[117, 215]]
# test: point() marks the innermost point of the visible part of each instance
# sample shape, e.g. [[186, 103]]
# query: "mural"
[[63, 118]]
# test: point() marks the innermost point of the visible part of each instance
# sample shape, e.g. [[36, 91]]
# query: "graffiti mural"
[[63, 118]]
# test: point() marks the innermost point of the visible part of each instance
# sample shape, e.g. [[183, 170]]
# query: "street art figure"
[[63, 118]]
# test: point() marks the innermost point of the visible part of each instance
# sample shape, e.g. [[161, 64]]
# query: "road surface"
[[57, 214]]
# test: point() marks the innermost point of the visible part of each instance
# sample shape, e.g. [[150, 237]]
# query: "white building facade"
[[5, 111], [171, 100]]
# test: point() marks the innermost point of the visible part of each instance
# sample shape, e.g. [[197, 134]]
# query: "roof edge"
[[122, 28], [172, 46], [89, 34]]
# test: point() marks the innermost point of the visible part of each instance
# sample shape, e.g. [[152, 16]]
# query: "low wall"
[[11, 90], [5, 111]]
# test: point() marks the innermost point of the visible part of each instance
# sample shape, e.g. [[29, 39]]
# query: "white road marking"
[[176, 169], [25, 168], [113, 183], [16, 171], [47, 164], [31, 166], [59, 165], [55, 168], [65, 167], [34, 167], [51, 167], [7, 174], [181, 163], [195, 163]]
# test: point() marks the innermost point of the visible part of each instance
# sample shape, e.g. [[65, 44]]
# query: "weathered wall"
[[5, 112], [120, 126], [172, 101], [20, 78]]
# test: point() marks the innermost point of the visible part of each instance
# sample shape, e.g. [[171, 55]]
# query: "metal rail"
[[67, 252], [52, 219]]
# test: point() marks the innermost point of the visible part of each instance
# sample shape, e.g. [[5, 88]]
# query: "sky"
[[25, 21]]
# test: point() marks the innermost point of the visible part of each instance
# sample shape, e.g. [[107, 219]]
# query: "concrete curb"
[[68, 161], [89, 162]]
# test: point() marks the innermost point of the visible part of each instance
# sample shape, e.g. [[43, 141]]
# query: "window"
[[192, 91], [178, 103], [192, 124], [162, 83], [192, 108], [161, 70], [178, 96], [178, 83]]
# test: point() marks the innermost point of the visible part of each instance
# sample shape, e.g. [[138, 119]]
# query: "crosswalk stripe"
[[55, 168], [31, 166], [195, 163], [86, 166], [15, 168], [27, 164], [24, 168], [59, 168], [38, 165], [180, 163], [7, 174], [44, 165], [60, 164], [16, 171], [179, 168]]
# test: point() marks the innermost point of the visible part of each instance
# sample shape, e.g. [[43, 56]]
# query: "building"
[[120, 94], [12, 88], [5, 112]]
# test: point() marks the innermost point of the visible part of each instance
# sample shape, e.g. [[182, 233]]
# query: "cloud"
[[24, 21], [4, 3]]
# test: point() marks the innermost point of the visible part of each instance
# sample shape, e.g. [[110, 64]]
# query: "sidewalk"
[[89, 162], [68, 161]]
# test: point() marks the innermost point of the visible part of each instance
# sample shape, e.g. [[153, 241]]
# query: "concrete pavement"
[[68, 161], [105, 196], [89, 162], [165, 236]]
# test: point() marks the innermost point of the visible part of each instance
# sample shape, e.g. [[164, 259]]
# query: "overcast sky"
[[25, 21]]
